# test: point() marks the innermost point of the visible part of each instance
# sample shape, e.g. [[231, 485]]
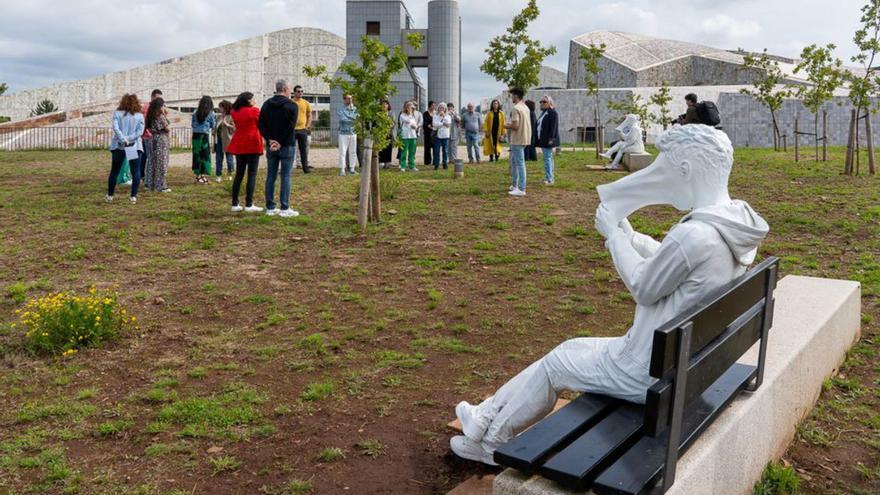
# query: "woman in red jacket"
[[247, 146]]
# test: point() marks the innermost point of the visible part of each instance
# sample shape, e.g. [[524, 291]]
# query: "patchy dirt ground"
[[329, 360]]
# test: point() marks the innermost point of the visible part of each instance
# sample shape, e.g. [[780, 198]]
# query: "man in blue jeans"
[[277, 123], [520, 127], [472, 122]]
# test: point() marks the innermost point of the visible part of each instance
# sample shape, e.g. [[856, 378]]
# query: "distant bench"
[[617, 447]]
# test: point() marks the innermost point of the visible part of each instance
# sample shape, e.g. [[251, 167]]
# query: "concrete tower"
[[444, 51]]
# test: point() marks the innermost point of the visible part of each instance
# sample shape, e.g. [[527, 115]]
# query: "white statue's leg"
[[618, 157], [531, 394]]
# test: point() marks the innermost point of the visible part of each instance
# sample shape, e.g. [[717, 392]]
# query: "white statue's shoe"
[[470, 425], [468, 449], [605, 154]]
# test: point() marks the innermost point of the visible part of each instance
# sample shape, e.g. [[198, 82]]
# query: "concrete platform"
[[637, 161], [815, 322]]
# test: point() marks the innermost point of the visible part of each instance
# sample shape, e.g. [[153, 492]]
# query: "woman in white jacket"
[[409, 124], [442, 125]]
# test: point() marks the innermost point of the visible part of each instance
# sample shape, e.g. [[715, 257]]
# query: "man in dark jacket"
[[691, 117], [428, 131], [277, 122]]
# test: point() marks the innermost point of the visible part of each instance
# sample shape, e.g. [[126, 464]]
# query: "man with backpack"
[[704, 112]]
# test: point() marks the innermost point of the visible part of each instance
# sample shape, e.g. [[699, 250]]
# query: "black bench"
[[617, 447]]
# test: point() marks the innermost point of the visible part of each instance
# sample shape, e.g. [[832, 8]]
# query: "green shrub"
[[65, 322]]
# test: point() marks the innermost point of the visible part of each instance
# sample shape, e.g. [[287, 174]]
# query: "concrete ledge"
[[637, 161], [815, 322]]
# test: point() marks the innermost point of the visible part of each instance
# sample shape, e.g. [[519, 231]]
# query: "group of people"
[[441, 128]]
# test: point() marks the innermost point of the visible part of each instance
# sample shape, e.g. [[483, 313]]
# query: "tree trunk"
[[869, 135], [848, 163], [364, 196], [824, 135], [816, 133], [375, 196], [858, 150], [797, 150]]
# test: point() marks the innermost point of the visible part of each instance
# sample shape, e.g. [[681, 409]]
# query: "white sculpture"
[[712, 245], [631, 132]]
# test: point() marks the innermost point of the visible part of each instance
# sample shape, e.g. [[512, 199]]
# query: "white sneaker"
[[517, 192], [605, 154], [237, 208], [253, 209], [229, 177], [133, 200], [342, 173], [218, 179], [466, 448], [288, 213], [415, 169], [470, 425], [108, 199], [511, 188], [353, 172], [166, 190], [273, 212], [402, 169]]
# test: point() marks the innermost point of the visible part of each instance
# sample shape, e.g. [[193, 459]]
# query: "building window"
[[373, 28]]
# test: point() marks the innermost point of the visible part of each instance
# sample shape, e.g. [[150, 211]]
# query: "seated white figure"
[[631, 132], [714, 243]]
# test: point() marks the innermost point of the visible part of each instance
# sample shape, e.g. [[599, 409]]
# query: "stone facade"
[[253, 64]]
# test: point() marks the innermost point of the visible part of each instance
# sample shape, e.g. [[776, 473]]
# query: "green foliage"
[[661, 99], [777, 480], [867, 40], [323, 119], [198, 414], [369, 82], [3, 88], [514, 58], [394, 359], [824, 75], [65, 322], [224, 463], [590, 56], [331, 454], [317, 391], [370, 448], [44, 107], [632, 103], [767, 77]]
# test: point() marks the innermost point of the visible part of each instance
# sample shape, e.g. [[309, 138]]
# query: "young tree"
[[3, 88], [369, 82], [824, 76], [44, 107], [633, 103], [514, 58], [661, 100], [864, 87], [590, 56], [767, 79]]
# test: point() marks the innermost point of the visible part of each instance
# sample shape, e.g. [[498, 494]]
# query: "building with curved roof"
[[252, 64]]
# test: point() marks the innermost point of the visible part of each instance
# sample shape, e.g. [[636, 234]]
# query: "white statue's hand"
[[606, 223], [626, 227]]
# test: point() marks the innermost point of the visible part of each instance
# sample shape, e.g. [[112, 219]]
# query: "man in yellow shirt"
[[303, 127]]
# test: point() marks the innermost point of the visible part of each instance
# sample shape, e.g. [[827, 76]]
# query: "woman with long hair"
[[385, 154], [247, 146], [203, 121], [125, 142], [160, 153], [493, 126], [222, 136]]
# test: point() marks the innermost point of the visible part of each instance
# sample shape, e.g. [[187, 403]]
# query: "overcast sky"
[[49, 41]]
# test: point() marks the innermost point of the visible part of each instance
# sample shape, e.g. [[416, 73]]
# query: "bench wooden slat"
[[637, 470], [580, 462], [710, 317], [528, 449], [705, 368]]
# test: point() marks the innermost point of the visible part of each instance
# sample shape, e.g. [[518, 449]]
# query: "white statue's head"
[[692, 158], [630, 120]]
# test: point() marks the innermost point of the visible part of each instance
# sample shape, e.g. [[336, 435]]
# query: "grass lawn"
[[294, 356]]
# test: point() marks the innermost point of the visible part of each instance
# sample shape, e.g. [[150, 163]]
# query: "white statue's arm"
[[648, 279], [633, 136], [644, 244]]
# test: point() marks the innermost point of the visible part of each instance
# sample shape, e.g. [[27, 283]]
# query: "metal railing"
[[91, 138]]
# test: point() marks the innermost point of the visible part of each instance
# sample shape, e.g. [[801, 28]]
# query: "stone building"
[[253, 64]]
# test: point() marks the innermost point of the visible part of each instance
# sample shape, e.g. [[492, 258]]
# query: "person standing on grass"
[[277, 124], [520, 128], [385, 154], [347, 137], [531, 152], [223, 131], [493, 127], [203, 121], [442, 124], [160, 154], [147, 138], [547, 130], [409, 134], [125, 142], [472, 122], [247, 146], [428, 132], [303, 127], [454, 132]]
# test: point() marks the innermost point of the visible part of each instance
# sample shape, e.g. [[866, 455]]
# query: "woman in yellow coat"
[[493, 127]]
